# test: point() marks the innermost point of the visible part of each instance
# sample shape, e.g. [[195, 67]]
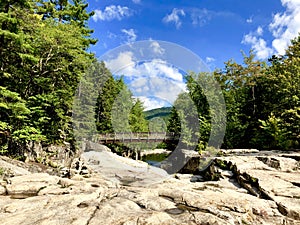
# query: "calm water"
[[154, 159]]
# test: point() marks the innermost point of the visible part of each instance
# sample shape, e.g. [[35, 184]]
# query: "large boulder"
[[29, 185]]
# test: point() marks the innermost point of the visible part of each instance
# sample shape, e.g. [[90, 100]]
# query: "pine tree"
[[41, 61], [137, 120]]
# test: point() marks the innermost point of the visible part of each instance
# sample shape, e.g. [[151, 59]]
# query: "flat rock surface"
[[123, 191], [124, 170]]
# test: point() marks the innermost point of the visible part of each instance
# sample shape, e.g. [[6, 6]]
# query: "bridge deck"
[[137, 137]]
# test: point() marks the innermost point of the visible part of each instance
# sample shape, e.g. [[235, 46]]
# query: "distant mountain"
[[163, 113]]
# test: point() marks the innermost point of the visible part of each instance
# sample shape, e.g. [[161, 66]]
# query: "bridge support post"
[[136, 154]]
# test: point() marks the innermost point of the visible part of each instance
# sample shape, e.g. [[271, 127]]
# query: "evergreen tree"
[[42, 60], [104, 107], [15, 54], [137, 120], [184, 122]]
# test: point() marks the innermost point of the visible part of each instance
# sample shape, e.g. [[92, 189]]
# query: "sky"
[[215, 30]]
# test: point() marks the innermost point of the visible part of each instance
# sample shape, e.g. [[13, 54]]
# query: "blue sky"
[[215, 30]]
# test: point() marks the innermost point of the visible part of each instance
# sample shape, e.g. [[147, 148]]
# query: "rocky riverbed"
[[104, 188]]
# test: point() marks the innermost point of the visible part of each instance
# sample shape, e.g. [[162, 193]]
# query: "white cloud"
[[136, 1], [174, 17], [123, 61], [284, 27], [259, 46], [112, 12], [201, 16], [125, 64], [156, 78], [259, 31], [131, 35], [111, 35], [250, 20], [159, 87], [160, 68], [210, 62], [151, 78], [153, 103], [209, 59], [156, 48]]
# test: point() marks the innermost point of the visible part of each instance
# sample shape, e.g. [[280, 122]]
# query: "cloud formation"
[[112, 12], [156, 48], [123, 61], [153, 102], [259, 45], [284, 27], [136, 1], [249, 20], [156, 82], [174, 17], [201, 16], [130, 35], [209, 59]]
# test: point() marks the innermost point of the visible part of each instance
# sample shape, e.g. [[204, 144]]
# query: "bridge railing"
[[137, 136]]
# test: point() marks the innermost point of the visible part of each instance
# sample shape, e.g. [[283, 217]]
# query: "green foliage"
[[174, 124], [157, 124], [2, 171], [240, 89], [113, 105], [263, 101], [158, 119], [280, 98], [42, 58], [184, 121], [196, 115], [92, 96], [14, 120], [275, 132], [116, 110], [137, 120]]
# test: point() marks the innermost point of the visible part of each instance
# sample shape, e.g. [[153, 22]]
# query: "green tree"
[[89, 99], [280, 100], [15, 53], [184, 122], [121, 109], [242, 95], [61, 47], [174, 127], [42, 60], [14, 122], [137, 120], [105, 102]]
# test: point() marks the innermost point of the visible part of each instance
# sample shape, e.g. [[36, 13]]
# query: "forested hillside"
[[163, 112]]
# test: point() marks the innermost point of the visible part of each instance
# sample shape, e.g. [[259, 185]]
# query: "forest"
[[44, 59]]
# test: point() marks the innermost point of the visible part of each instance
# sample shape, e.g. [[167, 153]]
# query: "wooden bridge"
[[137, 137]]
